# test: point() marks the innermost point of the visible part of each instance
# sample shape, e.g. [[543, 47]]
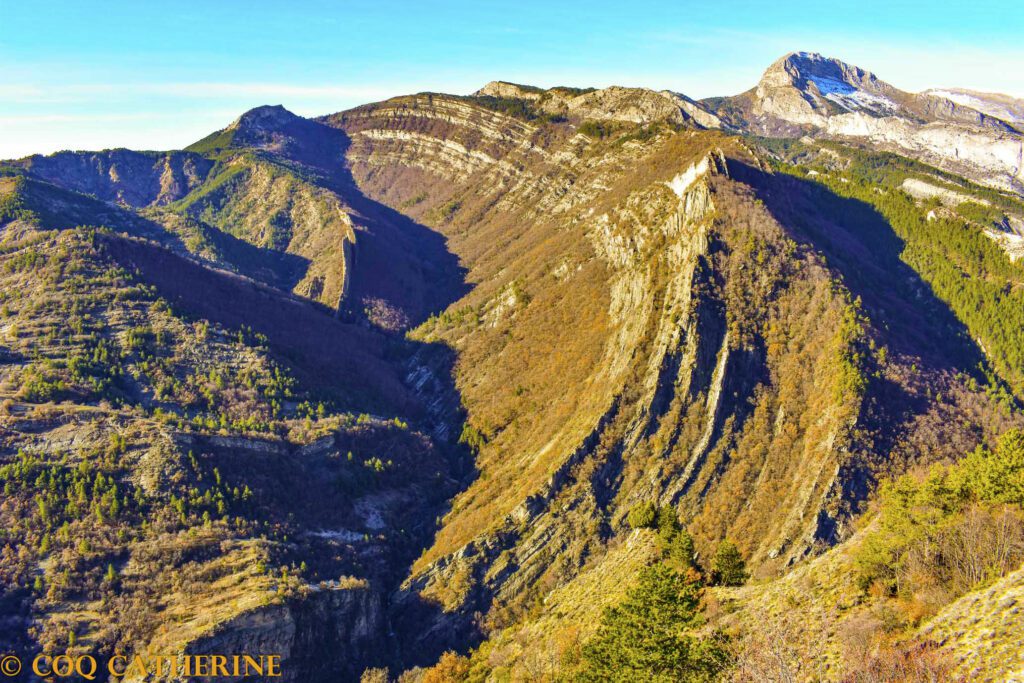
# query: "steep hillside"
[[282, 185], [981, 631], [269, 197], [728, 351], [398, 380], [193, 461]]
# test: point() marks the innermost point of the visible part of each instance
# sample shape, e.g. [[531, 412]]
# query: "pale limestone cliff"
[[806, 92]]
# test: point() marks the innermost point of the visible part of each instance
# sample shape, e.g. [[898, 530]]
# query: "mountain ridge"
[[562, 305]]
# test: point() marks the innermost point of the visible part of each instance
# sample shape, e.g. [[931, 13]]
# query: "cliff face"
[[1009, 109], [806, 88], [991, 158], [136, 179], [325, 635], [808, 93]]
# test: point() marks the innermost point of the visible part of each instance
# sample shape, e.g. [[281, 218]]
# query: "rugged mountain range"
[[807, 93], [389, 382]]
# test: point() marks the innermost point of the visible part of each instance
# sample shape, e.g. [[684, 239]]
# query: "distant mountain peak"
[[266, 117], [807, 86], [272, 128], [973, 134]]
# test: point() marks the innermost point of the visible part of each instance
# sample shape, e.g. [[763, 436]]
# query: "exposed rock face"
[[694, 110], [638, 105], [134, 178], [655, 317], [808, 88], [327, 635], [1009, 109], [806, 92], [973, 134], [634, 105], [510, 90], [805, 88], [987, 156]]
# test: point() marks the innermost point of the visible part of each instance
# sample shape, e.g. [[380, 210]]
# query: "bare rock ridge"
[[635, 244], [615, 103], [807, 87], [976, 135], [806, 93], [1009, 109], [124, 176]]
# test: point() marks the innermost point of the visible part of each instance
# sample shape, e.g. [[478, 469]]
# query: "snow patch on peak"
[[830, 86], [808, 56], [851, 98]]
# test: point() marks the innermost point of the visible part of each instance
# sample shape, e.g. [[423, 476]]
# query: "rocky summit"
[[806, 93], [528, 384]]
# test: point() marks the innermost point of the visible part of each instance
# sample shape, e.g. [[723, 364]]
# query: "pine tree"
[[642, 516], [647, 637], [680, 549], [728, 568]]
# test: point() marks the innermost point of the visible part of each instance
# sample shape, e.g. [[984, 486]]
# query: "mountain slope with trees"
[[411, 382]]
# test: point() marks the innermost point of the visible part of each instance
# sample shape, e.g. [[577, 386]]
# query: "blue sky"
[[159, 75]]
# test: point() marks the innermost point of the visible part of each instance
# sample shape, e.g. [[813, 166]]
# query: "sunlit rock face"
[[976, 136]]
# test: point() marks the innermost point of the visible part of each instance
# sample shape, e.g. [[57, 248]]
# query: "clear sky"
[[158, 75]]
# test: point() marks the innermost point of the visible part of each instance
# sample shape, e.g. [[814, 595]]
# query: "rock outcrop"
[[1009, 109], [633, 105], [136, 179], [654, 316], [330, 633], [808, 93]]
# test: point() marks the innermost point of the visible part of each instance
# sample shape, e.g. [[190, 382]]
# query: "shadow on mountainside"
[[57, 208], [426, 278], [862, 248], [379, 373], [401, 272], [399, 264], [408, 267]]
